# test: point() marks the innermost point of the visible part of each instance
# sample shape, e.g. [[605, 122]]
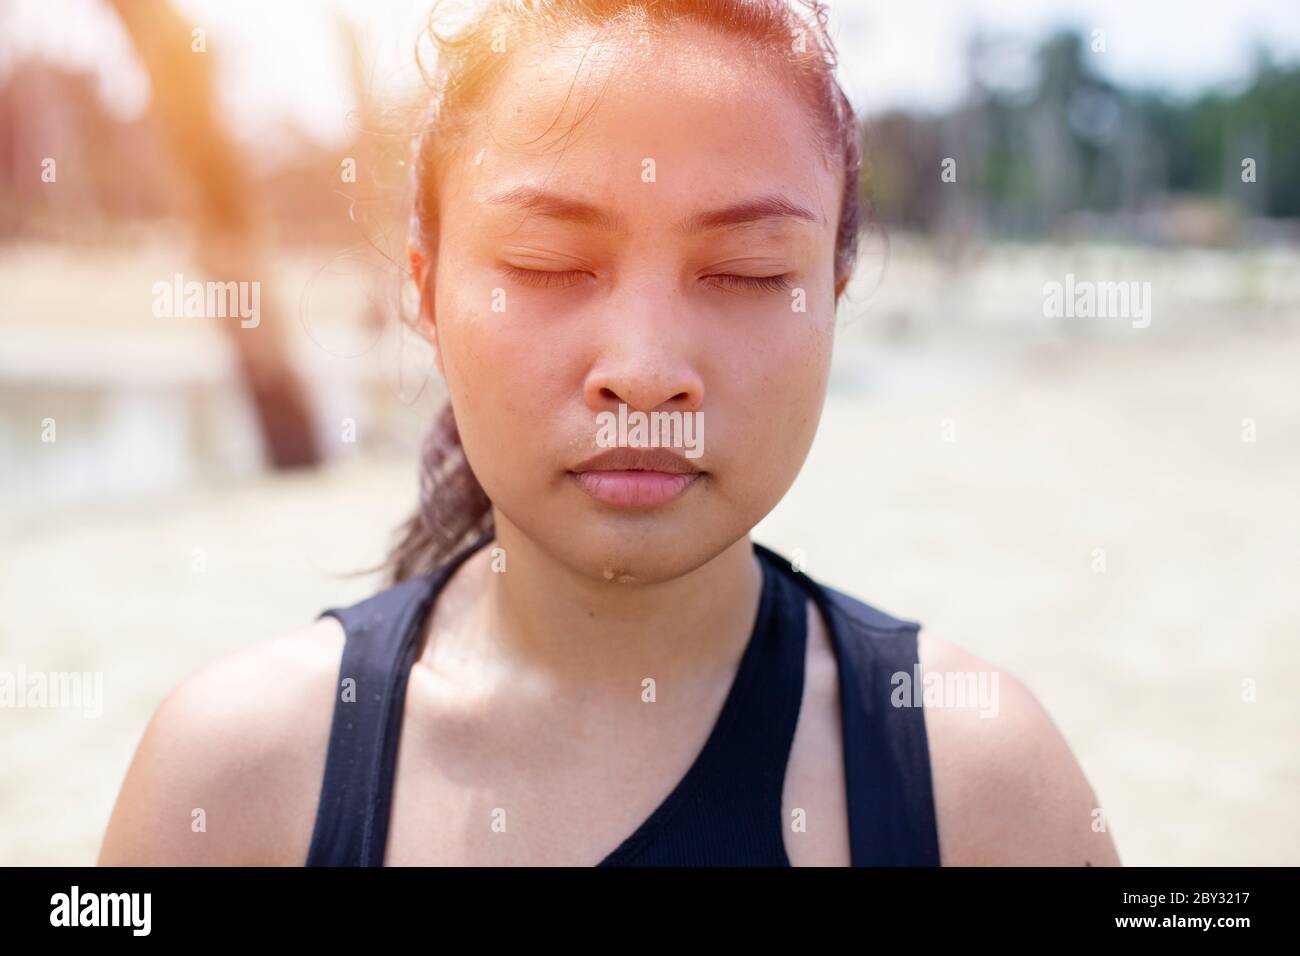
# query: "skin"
[[526, 693]]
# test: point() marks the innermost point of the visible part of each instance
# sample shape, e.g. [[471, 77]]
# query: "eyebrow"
[[569, 209]]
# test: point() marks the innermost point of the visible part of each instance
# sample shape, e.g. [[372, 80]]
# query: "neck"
[[561, 625]]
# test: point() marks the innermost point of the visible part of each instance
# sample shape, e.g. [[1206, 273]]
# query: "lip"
[[638, 459], [635, 477]]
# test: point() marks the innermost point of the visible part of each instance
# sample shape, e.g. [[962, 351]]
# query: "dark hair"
[[453, 508]]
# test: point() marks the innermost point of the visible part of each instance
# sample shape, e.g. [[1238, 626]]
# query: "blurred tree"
[[224, 218], [1035, 148]]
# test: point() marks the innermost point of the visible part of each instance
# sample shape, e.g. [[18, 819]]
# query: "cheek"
[[803, 365], [780, 369], [775, 388], [504, 375]]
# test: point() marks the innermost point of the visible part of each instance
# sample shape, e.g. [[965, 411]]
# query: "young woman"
[[622, 208]]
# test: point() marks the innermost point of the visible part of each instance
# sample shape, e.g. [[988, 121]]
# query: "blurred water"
[[100, 400]]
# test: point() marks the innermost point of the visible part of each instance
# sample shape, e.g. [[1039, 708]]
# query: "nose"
[[645, 355]]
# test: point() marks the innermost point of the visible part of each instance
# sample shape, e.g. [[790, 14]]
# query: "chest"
[[546, 786]]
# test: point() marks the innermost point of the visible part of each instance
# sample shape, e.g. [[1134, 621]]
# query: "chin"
[[639, 549]]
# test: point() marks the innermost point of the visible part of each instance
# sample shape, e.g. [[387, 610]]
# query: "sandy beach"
[[973, 461]]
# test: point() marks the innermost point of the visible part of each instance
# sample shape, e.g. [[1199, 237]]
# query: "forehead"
[[662, 123]]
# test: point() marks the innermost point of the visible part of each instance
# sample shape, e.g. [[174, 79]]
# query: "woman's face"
[[629, 261]]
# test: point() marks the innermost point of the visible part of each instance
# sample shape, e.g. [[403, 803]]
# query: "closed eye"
[[541, 279], [749, 283]]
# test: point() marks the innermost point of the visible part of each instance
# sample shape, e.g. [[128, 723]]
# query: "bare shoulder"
[[1007, 788], [229, 767]]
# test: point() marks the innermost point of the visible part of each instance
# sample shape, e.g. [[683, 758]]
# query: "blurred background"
[[1107, 510]]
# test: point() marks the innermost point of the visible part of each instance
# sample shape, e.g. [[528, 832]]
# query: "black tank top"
[[726, 810]]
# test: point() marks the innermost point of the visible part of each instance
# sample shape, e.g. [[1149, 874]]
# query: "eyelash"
[[538, 278], [544, 280], [761, 283]]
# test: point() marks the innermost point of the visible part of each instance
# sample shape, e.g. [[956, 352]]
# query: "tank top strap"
[[381, 640], [727, 809], [887, 770]]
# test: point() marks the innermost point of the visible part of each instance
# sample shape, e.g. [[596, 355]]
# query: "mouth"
[[636, 478]]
